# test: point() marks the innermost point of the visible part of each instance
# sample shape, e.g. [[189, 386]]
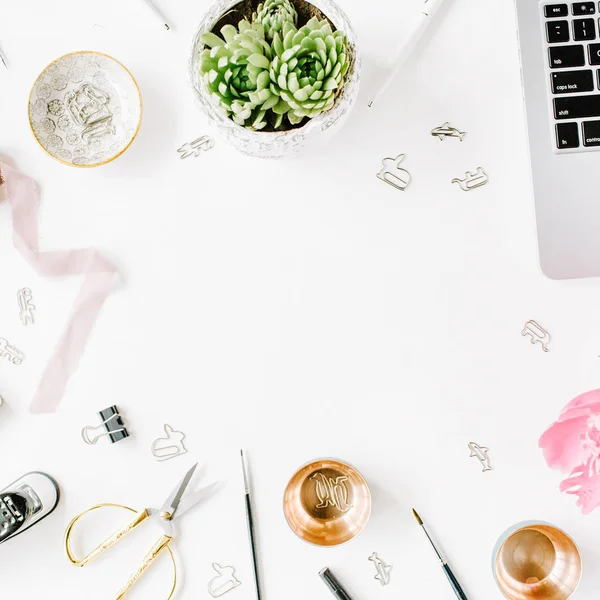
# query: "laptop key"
[[584, 8], [594, 54], [567, 135], [566, 57], [556, 10], [584, 29], [591, 133], [557, 32], [576, 107], [571, 82]]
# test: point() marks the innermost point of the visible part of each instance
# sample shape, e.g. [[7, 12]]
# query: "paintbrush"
[[449, 574], [251, 534]]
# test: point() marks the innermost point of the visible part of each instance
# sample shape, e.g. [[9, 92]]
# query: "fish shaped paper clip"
[[224, 582], [169, 447], [383, 570], [393, 174], [26, 306], [16, 357], [472, 180], [481, 454], [446, 130]]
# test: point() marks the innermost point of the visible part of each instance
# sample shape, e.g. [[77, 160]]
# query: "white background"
[[298, 309]]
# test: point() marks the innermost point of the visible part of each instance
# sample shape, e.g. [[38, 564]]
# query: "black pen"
[[449, 574], [334, 585], [251, 534]]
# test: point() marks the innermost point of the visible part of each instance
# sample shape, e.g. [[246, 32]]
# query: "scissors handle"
[[152, 555], [109, 541]]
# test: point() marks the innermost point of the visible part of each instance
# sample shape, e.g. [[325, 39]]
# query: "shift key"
[[565, 57], [577, 107]]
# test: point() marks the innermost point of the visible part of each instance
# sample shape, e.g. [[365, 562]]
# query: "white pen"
[[157, 12], [3, 59], [405, 50]]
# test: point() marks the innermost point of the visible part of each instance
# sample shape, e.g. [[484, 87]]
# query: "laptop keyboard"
[[573, 48]]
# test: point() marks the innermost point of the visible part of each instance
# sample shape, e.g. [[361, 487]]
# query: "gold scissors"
[[174, 507]]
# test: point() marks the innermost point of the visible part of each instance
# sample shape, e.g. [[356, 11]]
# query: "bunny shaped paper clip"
[[169, 447]]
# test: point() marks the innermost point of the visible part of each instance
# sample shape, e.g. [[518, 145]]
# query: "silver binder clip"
[[112, 425]]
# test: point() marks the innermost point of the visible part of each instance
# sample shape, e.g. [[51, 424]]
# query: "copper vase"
[[537, 560], [327, 502]]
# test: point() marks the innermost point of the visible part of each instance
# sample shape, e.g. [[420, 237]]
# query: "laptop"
[[560, 58]]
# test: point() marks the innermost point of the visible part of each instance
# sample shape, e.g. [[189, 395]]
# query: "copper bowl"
[[537, 560], [327, 502]]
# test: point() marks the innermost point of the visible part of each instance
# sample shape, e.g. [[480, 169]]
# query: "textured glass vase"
[[277, 144]]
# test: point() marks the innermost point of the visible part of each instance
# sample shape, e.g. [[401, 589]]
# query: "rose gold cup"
[[327, 502], [537, 560]]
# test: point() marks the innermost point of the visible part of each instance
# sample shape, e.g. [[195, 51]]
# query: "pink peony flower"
[[572, 445]]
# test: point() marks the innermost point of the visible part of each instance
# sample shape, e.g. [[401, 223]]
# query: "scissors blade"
[[193, 499], [172, 502]]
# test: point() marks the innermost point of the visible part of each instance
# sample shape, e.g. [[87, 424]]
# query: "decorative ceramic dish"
[[327, 502], [85, 109]]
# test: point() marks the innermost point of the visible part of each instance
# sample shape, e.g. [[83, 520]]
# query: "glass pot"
[[277, 144]]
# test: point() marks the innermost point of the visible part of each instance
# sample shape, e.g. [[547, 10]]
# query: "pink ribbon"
[[100, 278]]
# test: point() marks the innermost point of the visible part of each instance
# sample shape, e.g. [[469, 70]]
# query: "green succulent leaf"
[[235, 69], [212, 40], [259, 60], [307, 69], [274, 15]]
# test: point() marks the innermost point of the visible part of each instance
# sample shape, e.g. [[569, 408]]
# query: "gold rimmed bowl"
[[327, 502], [536, 560], [85, 109]]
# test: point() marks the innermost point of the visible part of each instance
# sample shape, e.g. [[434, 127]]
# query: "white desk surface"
[[297, 309]]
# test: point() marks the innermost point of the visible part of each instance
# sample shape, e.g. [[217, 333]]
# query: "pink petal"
[[562, 444], [585, 484], [583, 405]]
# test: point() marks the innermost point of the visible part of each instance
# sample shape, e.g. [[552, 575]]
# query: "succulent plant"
[[273, 14], [258, 81], [231, 67], [307, 70]]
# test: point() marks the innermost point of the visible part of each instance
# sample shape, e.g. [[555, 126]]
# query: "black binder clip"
[[112, 425]]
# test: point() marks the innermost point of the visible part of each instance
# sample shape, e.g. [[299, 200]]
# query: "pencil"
[[251, 533], [446, 568]]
